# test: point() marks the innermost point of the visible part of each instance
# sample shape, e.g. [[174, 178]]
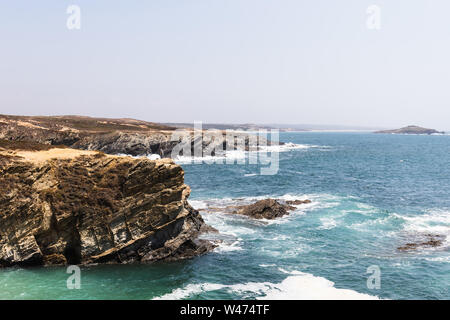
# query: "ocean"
[[370, 193]]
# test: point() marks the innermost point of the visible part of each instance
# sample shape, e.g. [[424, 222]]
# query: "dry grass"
[[26, 145], [80, 123]]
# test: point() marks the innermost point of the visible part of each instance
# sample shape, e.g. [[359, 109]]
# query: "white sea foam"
[[228, 247], [149, 156], [235, 155], [297, 286], [228, 224], [370, 224], [335, 218], [154, 156], [190, 289], [221, 220], [328, 223], [243, 155], [318, 201], [198, 204], [281, 237], [250, 174], [286, 147], [365, 206], [233, 227], [445, 259], [301, 286], [194, 289], [436, 222]]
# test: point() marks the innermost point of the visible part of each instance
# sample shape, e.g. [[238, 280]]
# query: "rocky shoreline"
[[263, 209], [111, 136], [62, 206], [66, 197], [67, 206]]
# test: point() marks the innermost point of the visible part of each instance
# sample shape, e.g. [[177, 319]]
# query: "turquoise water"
[[370, 194]]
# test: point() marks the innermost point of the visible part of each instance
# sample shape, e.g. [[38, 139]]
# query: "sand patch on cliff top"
[[42, 156], [35, 152]]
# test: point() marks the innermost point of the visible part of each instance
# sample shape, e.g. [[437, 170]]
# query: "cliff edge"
[[67, 206], [111, 136]]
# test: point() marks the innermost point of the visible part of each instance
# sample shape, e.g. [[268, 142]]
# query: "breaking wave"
[[297, 286], [433, 222], [240, 155], [149, 156]]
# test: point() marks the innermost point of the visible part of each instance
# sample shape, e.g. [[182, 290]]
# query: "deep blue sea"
[[370, 194]]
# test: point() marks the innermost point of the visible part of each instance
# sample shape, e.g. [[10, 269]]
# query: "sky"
[[229, 61]]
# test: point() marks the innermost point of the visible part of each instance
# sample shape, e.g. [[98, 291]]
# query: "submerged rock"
[[297, 202], [66, 206], [431, 240]]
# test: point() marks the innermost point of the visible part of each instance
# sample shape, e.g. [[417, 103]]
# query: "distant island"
[[412, 130]]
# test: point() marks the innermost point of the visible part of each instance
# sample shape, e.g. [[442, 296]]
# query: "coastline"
[[70, 206], [251, 252]]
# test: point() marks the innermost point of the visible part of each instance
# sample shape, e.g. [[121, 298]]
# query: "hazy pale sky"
[[236, 61]]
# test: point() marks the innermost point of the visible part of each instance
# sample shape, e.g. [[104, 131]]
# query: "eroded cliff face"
[[112, 136], [66, 206]]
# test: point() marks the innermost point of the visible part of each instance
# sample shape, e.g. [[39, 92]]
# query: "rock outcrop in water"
[[111, 136], [66, 206], [428, 241], [262, 209], [297, 202], [411, 130]]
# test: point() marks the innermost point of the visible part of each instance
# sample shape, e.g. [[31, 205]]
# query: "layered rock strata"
[[66, 206]]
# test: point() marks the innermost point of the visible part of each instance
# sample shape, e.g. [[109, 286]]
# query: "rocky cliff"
[[66, 206], [111, 136]]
